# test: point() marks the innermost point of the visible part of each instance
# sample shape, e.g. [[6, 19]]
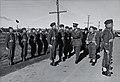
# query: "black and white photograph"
[[59, 40]]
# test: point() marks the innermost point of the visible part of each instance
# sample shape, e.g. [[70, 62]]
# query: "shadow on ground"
[[19, 65]]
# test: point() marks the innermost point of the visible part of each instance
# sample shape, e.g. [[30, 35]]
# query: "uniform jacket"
[[77, 37], [108, 37], [10, 41], [53, 37]]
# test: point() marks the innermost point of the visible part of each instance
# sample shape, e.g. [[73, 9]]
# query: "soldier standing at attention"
[[53, 41], [32, 42], [10, 45], [24, 42], [108, 38], [39, 42], [92, 42], [77, 40], [44, 40]]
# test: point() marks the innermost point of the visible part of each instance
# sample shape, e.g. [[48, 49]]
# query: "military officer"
[[52, 41], [92, 42], [108, 38], [10, 45], [32, 42], [77, 40]]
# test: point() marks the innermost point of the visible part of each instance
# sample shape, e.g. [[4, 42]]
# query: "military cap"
[[86, 29], [23, 28], [10, 27], [100, 29], [92, 27], [67, 27], [75, 24], [33, 29], [70, 28], [108, 21], [52, 24], [61, 25], [95, 28]]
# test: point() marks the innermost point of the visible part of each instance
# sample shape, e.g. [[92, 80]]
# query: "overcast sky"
[[35, 13]]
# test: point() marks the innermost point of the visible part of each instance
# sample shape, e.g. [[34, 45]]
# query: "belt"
[[53, 38], [10, 40], [24, 40], [76, 38]]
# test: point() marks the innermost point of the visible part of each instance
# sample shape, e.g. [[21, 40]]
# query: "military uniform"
[[84, 47], [39, 43], [10, 44], [53, 43], [108, 37], [92, 41], [77, 41], [45, 42], [32, 42], [24, 42], [66, 43]]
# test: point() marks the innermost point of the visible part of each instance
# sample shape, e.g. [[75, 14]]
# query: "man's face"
[[75, 27], [11, 30], [54, 27], [33, 30], [91, 30], [24, 31], [110, 25]]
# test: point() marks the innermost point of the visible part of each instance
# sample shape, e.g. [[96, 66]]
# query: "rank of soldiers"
[[67, 41]]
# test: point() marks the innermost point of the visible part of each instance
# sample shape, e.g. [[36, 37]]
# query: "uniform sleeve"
[[49, 37], [7, 40], [81, 34], [98, 39], [106, 39]]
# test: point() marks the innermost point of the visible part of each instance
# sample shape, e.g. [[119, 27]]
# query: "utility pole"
[[58, 13], [88, 22], [99, 25]]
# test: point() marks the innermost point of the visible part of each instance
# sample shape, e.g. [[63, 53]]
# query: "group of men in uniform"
[[65, 40]]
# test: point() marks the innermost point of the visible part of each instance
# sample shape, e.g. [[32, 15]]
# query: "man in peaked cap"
[[53, 41], [10, 45], [108, 47], [77, 41]]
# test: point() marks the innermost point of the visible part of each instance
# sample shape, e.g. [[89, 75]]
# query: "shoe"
[[111, 68], [109, 74], [76, 62], [104, 73], [91, 61], [52, 64], [93, 64]]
